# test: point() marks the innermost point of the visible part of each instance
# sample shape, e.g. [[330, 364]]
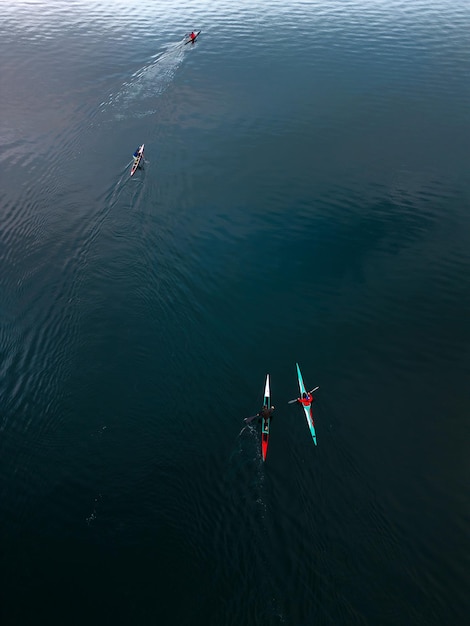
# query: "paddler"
[[137, 155], [192, 35], [307, 399], [266, 413]]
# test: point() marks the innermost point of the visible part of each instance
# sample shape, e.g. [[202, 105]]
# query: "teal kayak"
[[307, 407]]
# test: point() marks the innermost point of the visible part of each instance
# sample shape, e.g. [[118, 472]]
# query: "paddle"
[[247, 420], [314, 389]]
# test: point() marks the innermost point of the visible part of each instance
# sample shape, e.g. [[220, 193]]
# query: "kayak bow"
[[307, 409], [137, 160], [265, 423]]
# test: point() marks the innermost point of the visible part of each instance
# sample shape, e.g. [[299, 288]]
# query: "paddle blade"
[[247, 420]]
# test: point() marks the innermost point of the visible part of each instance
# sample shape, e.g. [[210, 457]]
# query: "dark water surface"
[[305, 198]]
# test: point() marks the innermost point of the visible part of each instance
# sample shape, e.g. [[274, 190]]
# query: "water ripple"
[[305, 197]]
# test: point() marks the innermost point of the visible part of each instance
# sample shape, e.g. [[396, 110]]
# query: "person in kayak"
[[307, 399], [266, 413], [192, 35], [138, 157]]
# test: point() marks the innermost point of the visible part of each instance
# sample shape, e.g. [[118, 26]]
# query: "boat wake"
[[249, 454], [92, 517], [134, 98]]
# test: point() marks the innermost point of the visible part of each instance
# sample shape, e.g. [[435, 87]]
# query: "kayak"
[[265, 423], [307, 409], [137, 159], [193, 40]]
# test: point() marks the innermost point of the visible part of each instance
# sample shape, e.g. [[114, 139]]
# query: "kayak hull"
[[307, 409], [266, 423], [137, 160]]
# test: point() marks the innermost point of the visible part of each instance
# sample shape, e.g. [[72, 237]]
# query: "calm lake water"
[[305, 197]]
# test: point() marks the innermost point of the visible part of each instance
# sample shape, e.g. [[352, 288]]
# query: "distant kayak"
[[193, 39], [137, 159]]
